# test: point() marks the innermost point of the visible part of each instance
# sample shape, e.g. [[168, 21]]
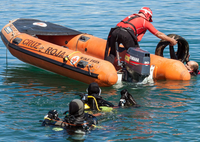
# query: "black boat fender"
[[182, 51]]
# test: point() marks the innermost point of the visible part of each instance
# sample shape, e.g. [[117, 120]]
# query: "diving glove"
[[127, 99]]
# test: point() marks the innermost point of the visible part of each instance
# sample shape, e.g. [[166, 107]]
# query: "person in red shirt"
[[131, 30]]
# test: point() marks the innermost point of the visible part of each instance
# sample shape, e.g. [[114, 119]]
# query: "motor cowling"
[[137, 64]]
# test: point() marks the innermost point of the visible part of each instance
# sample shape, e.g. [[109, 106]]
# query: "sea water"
[[169, 109]]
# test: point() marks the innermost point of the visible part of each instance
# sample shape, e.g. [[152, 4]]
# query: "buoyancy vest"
[[70, 122], [127, 23], [85, 122], [94, 102]]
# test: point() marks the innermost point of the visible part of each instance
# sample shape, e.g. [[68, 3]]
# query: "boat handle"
[[89, 68]]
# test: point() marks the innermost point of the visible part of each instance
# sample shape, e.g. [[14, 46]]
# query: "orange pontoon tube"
[[168, 69]]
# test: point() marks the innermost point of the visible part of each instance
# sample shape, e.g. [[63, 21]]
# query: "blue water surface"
[[169, 109]]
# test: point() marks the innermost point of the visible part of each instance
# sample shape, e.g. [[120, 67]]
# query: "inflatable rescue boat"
[[80, 56]]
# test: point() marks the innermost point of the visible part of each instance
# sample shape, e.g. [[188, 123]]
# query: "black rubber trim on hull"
[[48, 59]]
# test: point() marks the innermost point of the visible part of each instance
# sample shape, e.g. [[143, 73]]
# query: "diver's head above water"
[[94, 89], [76, 108]]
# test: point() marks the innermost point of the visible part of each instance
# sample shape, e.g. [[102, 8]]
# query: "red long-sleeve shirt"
[[141, 25]]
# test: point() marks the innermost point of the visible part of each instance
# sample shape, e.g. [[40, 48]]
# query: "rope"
[[67, 57]]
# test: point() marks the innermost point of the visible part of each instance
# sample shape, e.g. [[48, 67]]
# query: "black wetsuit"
[[84, 122]]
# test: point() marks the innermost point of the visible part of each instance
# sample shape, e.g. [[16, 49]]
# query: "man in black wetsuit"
[[94, 100], [75, 118]]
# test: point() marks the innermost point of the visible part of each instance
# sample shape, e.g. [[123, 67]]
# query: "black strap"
[[128, 22]]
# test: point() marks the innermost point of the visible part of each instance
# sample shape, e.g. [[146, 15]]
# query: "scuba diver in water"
[[75, 118], [93, 100]]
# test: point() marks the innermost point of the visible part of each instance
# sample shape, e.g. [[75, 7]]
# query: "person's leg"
[[111, 46], [120, 36], [126, 39]]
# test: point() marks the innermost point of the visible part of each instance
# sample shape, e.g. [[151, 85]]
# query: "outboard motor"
[[137, 65]]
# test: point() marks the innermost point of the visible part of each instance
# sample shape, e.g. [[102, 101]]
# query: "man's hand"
[[173, 41]]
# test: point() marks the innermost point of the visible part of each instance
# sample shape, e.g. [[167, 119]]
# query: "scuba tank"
[[95, 102]]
